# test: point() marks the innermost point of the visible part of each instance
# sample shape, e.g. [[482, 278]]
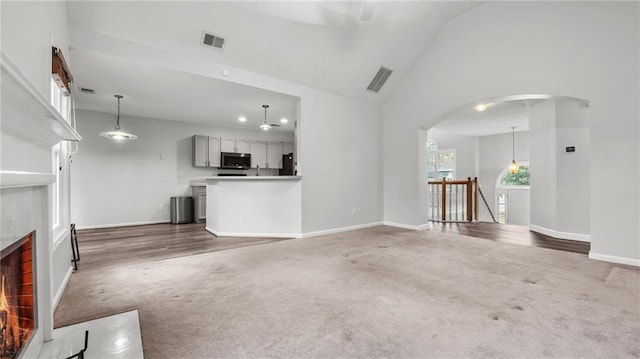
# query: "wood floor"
[[125, 245], [512, 234], [135, 244]]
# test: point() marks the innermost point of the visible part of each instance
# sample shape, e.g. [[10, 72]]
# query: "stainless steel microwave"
[[232, 160]]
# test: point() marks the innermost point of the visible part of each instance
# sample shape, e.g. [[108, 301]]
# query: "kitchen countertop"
[[252, 178], [203, 181]]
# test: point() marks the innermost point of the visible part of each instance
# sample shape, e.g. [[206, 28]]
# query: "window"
[[520, 179], [55, 205], [61, 86], [440, 163], [60, 101], [502, 208]]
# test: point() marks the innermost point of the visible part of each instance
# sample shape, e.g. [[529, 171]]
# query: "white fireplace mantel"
[[26, 113], [29, 127]]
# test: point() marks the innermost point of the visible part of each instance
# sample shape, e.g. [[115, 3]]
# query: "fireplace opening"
[[17, 297]]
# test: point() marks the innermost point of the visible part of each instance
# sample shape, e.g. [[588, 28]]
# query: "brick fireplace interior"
[[17, 297]]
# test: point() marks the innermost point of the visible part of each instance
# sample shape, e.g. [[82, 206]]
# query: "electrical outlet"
[[163, 205], [358, 211], [353, 211]]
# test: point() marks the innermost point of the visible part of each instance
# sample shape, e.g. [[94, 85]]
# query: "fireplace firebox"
[[18, 317]]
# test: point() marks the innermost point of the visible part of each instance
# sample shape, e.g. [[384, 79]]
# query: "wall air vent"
[[211, 40], [378, 81], [87, 90]]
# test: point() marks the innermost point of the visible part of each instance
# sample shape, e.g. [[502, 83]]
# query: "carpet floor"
[[371, 293]]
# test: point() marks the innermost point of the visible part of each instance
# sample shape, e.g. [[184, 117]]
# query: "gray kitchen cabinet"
[[206, 151], [200, 151], [258, 154], [243, 146], [274, 154], [214, 151], [199, 194], [228, 145]]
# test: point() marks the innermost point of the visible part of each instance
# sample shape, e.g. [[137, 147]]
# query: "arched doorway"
[[513, 196]]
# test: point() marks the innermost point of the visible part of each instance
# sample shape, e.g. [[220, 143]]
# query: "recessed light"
[[284, 120], [481, 107], [242, 119]]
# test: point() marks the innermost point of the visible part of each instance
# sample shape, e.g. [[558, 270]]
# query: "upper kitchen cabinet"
[[228, 145], [235, 145], [243, 146], [214, 151], [274, 154], [258, 154], [200, 151], [206, 151]]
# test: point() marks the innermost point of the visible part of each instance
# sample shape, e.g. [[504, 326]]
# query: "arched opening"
[[513, 196], [485, 144]]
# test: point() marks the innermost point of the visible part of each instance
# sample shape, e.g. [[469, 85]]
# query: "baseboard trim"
[[562, 235], [129, 224], [63, 286], [409, 226], [614, 259], [263, 235], [341, 229]]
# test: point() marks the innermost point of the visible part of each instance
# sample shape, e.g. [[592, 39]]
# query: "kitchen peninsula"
[[254, 206]]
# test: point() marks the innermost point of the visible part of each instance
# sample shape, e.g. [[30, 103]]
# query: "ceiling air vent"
[[87, 90], [211, 40], [378, 81]]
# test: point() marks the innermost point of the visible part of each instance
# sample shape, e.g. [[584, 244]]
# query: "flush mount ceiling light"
[[514, 167], [117, 134], [266, 126], [481, 107], [242, 119], [284, 120]]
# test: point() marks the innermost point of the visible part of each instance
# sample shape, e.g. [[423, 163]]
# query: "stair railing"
[[453, 201], [484, 200]]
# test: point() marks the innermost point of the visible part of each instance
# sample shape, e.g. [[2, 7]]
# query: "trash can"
[[181, 209]]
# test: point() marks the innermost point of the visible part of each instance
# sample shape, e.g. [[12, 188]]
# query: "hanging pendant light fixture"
[[117, 134], [265, 126], [514, 167]]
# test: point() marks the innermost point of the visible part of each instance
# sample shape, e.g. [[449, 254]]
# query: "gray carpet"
[[378, 292]]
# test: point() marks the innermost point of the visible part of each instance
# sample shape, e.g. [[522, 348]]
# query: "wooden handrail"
[[449, 182], [469, 196]]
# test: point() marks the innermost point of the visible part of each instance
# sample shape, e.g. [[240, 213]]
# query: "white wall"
[[572, 129], [128, 182], [504, 48], [494, 156], [560, 203], [544, 176], [339, 138], [29, 29]]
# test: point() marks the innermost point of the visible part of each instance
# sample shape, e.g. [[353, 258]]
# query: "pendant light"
[[514, 167], [265, 126], [117, 134]]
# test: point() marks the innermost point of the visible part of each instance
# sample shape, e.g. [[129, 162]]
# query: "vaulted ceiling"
[[321, 44]]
